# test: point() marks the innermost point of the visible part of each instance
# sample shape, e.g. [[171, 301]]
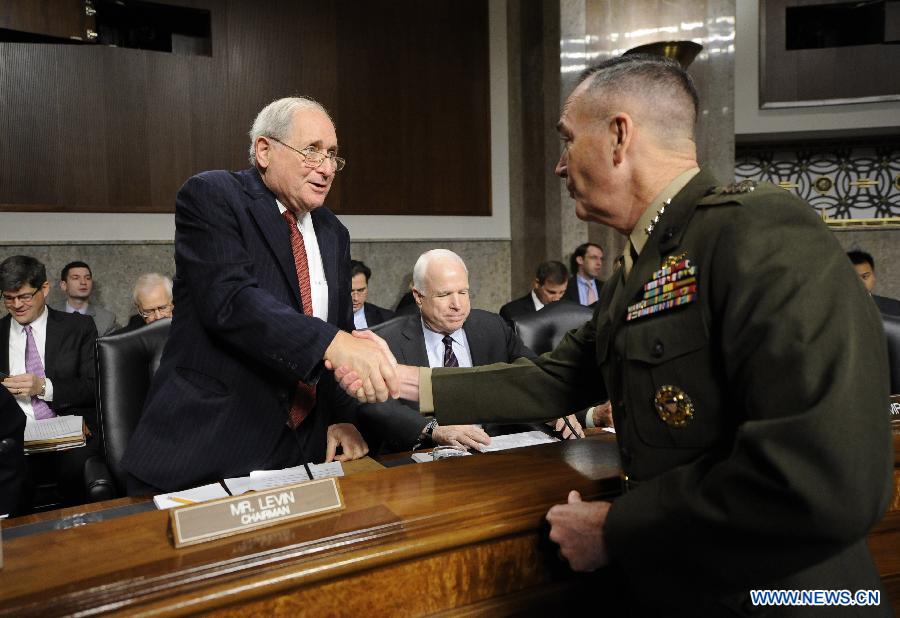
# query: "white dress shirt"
[[538, 305], [317, 281], [17, 340], [434, 345], [359, 319]]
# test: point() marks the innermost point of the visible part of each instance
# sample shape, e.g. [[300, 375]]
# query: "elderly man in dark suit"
[[262, 286], [549, 286], [446, 332], [50, 359]]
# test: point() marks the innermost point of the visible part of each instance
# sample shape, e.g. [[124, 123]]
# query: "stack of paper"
[[54, 434], [213, 491], [517, 440]]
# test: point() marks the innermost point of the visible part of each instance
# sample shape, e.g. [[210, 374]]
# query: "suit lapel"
[[4, 342], [413, 347], [52, 345], [477, 342], [272, 226]]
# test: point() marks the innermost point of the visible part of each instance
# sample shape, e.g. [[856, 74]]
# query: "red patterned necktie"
[[305, 395]]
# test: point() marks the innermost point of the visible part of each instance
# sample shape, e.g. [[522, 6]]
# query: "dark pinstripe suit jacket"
[[239, 340]]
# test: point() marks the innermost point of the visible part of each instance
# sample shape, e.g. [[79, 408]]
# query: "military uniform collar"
[[639, 234]]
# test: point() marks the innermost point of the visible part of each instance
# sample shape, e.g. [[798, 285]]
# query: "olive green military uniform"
[[750, 404]]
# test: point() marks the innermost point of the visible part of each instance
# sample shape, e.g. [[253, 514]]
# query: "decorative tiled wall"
[[841, 180]]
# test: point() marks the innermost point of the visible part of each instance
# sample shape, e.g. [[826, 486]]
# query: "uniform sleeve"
[[808, 471]]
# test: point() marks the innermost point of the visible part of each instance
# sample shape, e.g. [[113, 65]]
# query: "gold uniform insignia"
[[673, 406]]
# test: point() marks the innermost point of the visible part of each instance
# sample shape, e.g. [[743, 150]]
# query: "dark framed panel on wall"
[[828, 52], [112, 122]]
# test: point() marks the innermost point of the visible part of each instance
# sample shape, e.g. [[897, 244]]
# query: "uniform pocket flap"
[[662, 337]]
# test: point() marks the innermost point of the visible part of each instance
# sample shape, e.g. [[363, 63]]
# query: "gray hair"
[[150, 280], [274, 120], [420, 270], [665, 90]]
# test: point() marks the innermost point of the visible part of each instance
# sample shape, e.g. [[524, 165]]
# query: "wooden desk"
[[884, 538], [418, 539]]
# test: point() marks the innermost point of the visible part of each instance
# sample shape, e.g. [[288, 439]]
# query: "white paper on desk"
[[609, 429], [268, 479], [203, 493], [53, 428], [239, 485], [517, 440]]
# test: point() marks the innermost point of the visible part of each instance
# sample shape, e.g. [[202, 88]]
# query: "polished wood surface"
[[884, 538], [470, 526]]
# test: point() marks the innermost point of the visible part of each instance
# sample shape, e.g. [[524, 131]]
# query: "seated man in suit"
[[447, 333], [262, 286], [586, 264], [77, 282], [152, 297], [12, 455], [549, 286], [365, 314], [50, 361], [865, 268]]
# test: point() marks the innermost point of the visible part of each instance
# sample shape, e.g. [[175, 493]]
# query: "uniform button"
[[658, 349], [668, 234]]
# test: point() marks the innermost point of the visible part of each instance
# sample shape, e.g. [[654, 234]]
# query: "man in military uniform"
[[746, 369]]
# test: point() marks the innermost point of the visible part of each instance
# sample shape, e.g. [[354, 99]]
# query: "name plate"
[[197, 523]]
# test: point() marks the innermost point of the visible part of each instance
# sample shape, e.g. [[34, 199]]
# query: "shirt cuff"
[[426, 396], [48, 390], [589, 418]]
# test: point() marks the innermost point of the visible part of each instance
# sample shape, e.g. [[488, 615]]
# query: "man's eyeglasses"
[[163, 311], [10, 299], [313, 158]]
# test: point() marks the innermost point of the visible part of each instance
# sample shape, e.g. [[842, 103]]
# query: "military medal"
[[673, 406], [673, 285]]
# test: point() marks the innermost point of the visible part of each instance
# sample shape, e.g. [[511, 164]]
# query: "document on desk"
[[213, 491], [269, 479], [517, 440]]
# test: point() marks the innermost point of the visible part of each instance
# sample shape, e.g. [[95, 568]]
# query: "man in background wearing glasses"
[[48, 366], [262, 285], [152, 297]]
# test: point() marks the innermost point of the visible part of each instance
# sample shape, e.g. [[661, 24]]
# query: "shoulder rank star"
[[673, 285], [655, 220], [735, 188]]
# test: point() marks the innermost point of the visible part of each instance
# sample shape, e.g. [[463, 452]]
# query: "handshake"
[[365, 367]]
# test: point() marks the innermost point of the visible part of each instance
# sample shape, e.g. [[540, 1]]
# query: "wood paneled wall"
[[99, 129]]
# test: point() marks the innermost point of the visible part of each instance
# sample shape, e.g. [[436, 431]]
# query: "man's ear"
[[45, 288], [263, 149], [623, 129], [418, 296], [535, 284], [63, 285]]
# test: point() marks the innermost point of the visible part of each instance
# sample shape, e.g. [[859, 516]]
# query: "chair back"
[[543, 330], [126, 363], [892, 333]]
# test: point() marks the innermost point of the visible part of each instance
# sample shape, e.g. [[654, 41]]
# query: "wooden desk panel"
[[473, 524]]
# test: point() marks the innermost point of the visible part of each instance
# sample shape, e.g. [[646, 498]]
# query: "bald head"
[[656, 91]]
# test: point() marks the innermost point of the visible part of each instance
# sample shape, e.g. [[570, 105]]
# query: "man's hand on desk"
[[348, 438], [577, 527], [602, 414], [560, 427], [366, 356], [469, 436]]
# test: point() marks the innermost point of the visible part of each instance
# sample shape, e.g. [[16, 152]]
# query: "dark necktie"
[[34, 366], [305, 395], [449, 357]]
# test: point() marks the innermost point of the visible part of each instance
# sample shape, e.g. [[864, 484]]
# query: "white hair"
[[274, 120], [150, 280], [420, 270]]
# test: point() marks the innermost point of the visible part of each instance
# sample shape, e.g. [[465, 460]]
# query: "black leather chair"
[[543, 330], [126, 363], [892, 332]]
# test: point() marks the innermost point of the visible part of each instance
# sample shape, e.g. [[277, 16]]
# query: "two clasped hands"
[[366, 369]]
